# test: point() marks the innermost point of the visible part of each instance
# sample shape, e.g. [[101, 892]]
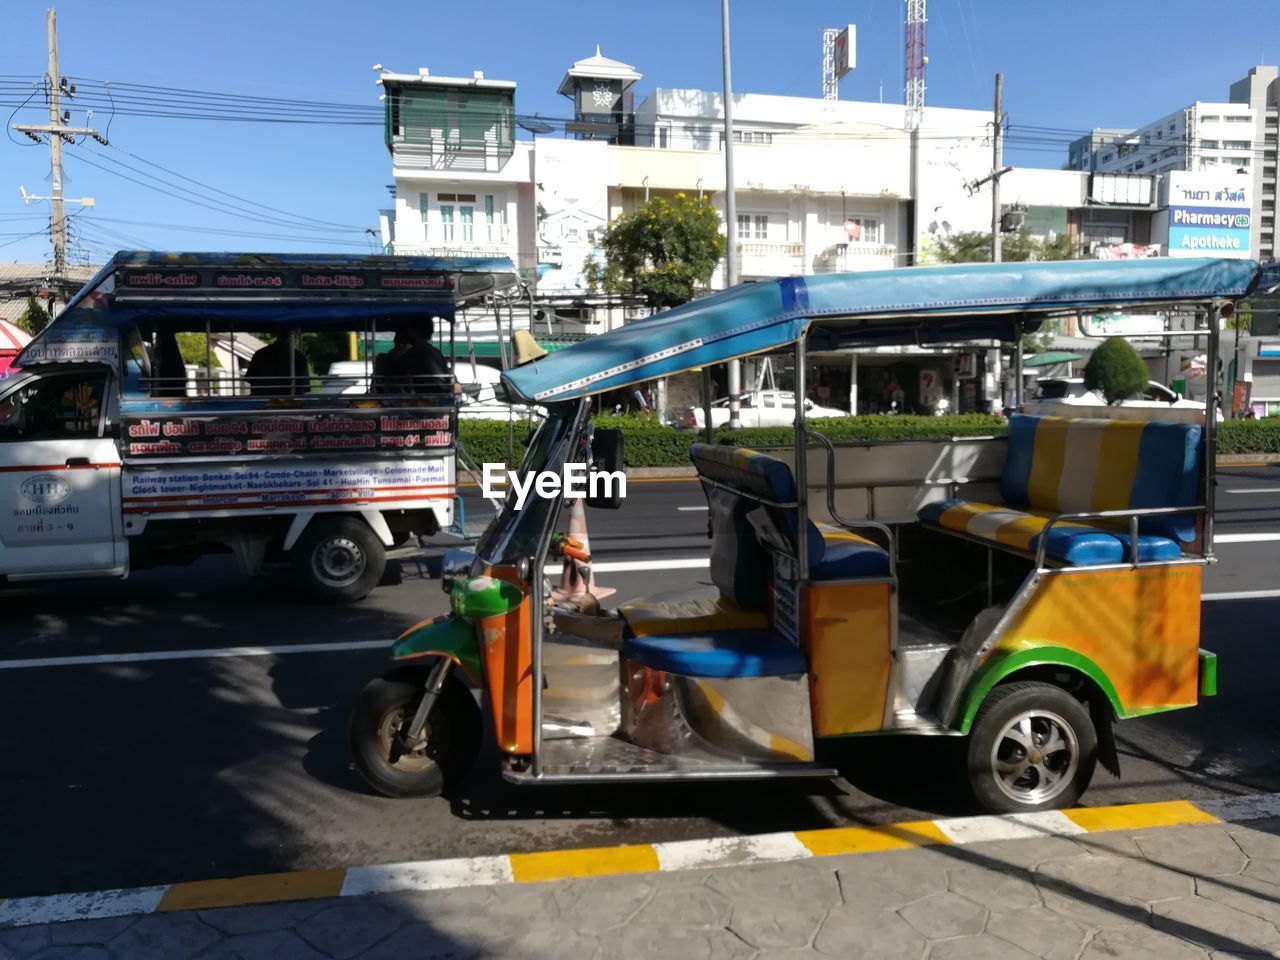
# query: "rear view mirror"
[[470, 389], [606, 457]]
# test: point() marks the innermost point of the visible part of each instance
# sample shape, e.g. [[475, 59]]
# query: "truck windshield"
[[519, 533]]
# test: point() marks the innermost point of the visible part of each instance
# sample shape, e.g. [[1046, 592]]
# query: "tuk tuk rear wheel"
[[339, 559], [395, 767], [1032, 747]]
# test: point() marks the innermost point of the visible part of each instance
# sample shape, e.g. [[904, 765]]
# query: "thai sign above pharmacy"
[[1209, 214]]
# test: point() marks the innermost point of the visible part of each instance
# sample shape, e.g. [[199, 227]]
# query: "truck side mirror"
[[606, 457]]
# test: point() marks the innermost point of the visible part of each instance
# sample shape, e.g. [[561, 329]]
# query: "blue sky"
[[1067, 65]]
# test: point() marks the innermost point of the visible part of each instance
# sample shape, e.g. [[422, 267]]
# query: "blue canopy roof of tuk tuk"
[[913, 305]]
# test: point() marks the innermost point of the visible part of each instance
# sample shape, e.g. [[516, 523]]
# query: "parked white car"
[[1071, 392], [760, 408], [479, 400]]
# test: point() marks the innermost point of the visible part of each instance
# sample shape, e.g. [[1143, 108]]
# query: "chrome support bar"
[[1132, 515], [883, 528], [802, 466]]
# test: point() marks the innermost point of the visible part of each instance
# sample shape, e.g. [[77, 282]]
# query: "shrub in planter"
[[1116, 371]]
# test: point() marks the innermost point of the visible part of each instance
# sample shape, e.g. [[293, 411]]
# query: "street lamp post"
[[730, 213]]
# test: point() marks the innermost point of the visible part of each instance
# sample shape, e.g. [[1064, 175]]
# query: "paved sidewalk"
[[1160, 893]]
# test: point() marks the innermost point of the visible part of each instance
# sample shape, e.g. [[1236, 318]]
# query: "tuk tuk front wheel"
[[1032, 747], [396, 767], [339, 559]]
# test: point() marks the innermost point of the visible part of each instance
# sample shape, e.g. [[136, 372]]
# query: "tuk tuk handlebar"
[[1132, 516], [848, 524]]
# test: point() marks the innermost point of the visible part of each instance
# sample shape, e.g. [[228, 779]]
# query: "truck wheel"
[[1032, 747], [445, 751], [339, 559]]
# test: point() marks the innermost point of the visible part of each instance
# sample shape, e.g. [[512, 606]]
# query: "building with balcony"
[[457, 166]]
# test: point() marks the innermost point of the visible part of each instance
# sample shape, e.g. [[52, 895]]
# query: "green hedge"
[[649, 444], [854, 429], [1249, 436]]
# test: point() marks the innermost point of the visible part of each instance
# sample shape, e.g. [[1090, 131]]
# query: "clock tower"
[[603, 105]]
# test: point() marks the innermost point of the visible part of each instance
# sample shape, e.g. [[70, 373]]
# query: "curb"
[[664, 857]]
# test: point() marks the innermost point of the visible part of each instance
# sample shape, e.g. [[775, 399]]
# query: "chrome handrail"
[[835, 514], [1132, 516]]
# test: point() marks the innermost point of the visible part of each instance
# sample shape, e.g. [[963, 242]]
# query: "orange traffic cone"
[[576, 580]]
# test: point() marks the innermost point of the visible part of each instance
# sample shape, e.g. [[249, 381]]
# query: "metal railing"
[[1133, 516], [835, 515]]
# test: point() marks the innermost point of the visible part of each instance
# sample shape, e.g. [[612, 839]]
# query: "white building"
[[1199, 137], [1261, 91], [821, 186], [457, 166], [1238, 136]]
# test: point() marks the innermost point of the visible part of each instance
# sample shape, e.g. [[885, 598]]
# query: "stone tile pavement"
[[1170, 893]]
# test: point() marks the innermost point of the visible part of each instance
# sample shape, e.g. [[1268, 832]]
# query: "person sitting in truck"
[[422, 364], [387, 375], [270, 373], [168, 371]]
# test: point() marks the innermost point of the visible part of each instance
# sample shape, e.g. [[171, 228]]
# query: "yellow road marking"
[[591, 862], [1133, 816], [894, 836], [266, 888]]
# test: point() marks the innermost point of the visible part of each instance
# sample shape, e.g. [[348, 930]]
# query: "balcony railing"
[[843, 257]]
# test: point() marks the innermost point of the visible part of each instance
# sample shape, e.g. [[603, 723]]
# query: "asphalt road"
[[120, 773]]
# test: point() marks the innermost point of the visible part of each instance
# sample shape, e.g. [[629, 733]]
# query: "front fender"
[[1004, 664], [446, 636]]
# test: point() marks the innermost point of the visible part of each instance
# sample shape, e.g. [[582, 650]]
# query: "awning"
[[1050, 358]]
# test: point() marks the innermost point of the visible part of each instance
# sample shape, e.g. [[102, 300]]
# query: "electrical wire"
[[152, 183], [225, 193], [9, 123]]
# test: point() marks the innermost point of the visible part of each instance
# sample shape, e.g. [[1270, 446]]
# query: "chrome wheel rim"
[[391, 744], [1035, 756], [338, 562]]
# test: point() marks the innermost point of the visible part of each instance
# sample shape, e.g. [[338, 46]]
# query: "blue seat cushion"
[[1074, 544], [718, 654], [847, 555]]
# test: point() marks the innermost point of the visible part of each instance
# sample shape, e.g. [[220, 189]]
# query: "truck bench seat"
[[719, 654], [1072, 543]]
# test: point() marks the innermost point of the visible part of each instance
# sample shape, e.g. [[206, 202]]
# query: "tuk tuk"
[[1022, 591], [169, 412]]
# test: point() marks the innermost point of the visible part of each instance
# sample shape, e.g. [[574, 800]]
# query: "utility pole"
[[731, 216], [996, 161], [997, 171], [57, 131], [994, 379]]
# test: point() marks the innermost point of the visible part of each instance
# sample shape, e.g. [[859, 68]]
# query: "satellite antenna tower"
[[915, 61]]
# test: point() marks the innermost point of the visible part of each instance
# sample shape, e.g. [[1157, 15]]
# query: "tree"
[[665, 251], [972, 246], [1115, 370], [35, 318]]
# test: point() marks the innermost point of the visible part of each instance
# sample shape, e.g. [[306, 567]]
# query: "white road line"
[[1244, 537], [730, 851], [215, 653], [704, 508], [1241, 595]]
